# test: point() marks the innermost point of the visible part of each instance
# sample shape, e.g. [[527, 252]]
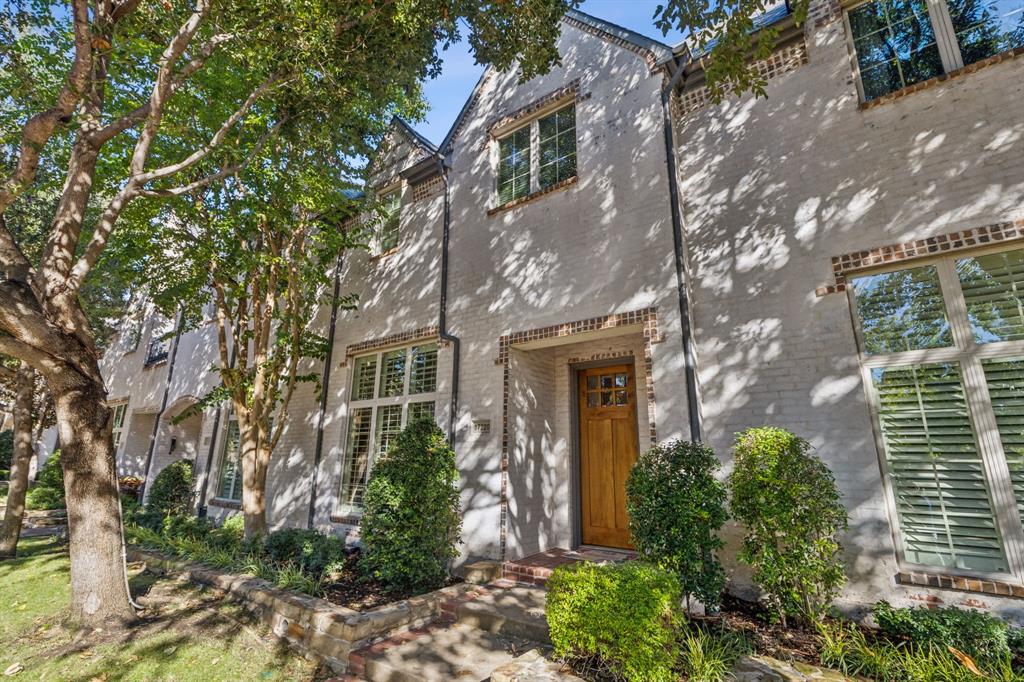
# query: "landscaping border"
[[314, 626]]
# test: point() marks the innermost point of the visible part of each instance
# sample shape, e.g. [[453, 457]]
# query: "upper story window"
[[387, 236], [942, 346], [538, 155], [120, 410], [902, 42], [389, 390]]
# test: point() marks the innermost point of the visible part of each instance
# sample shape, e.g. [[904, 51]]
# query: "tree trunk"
[[20, 462], [99, 585], [255, 457]]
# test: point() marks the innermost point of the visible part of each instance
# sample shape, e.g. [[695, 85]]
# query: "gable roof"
[[654, 52], [772, 15], [423, 142]]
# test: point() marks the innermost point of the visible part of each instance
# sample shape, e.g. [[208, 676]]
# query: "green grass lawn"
[[184, 633]]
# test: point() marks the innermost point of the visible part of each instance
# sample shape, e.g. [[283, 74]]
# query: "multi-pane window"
[[538, 155], [119, 413], [230, 485], [557, 146], [943, 352], [387, 237], [902, 42], [514, 166], [390, 389]]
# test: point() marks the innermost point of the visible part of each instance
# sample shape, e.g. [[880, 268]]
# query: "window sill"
[[385, 254], [535, 195], [931, 82], [347, 519], [226, 504], [954, 582]]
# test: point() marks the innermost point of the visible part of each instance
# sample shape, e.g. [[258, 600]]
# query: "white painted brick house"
[[527, 294]]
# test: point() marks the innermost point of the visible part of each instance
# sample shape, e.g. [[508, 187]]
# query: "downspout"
[[443, 332], [163, 402], [689, 365], [204, 492], [325, 382]]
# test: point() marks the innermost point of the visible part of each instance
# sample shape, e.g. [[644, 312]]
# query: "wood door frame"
[[575, 492]]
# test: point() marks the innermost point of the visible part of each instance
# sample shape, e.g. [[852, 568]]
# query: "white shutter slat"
[[1005, 379], [936, 470]]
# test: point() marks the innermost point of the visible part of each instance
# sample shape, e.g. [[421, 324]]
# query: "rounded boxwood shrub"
[[48, 491], [788, 501], [622, 618], [676, 508], [171, 494], [412, 516]]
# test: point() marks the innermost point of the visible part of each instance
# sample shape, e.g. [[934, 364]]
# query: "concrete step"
[[440, 653], [512, 611]]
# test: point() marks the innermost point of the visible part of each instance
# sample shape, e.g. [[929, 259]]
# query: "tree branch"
[[215, 141], [133, 118], [12, 258], [38, 130]]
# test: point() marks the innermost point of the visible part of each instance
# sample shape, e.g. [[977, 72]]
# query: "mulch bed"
[[349, 588], [768, 638]]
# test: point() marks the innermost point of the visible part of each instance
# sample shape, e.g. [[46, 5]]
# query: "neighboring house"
[[844, 258]]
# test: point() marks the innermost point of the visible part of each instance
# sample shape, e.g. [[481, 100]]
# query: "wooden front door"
[[608, 450]]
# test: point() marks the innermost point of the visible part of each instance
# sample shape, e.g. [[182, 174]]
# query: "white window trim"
[[942, 27], [376, 245], [533, 122], [968, 355], [404, 400], [117, 432], [222, 451]]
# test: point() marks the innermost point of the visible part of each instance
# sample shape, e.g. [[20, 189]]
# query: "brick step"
[[435, 654], [516, 611]]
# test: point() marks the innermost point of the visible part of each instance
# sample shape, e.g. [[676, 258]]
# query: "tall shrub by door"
[[788, 501], [676, 510], [412, 519]]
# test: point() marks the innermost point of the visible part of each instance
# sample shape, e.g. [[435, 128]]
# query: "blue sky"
[[447, 93]]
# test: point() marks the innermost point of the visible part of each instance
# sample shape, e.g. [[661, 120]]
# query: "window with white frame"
[[942, 346], [521, 170], [389, 232], [902, 42], [120, 410], [229, 485], [389, 390]]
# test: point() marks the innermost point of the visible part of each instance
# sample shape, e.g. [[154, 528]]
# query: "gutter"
[[325, 382], [163, 402], [689, 364], [442, 323]]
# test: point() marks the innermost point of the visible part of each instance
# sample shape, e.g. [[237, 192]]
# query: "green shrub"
[[623, 615], [977, 634], [845, 648], [788, 501], [48, 491], [309, 550], [172, 490], [411, 523], [676, 509], [6, 449]]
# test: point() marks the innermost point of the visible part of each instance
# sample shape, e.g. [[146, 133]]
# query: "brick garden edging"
[[313, 626]]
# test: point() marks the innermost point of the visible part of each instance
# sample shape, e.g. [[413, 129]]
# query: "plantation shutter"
[[993, 287], [1005, 379], [936, 471]]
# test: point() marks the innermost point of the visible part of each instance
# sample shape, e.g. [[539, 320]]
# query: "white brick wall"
[[772, 189]]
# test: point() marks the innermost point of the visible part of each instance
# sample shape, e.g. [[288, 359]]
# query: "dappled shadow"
[[773, 189]]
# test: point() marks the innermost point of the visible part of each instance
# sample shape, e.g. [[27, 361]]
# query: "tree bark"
[[255, 460], [99, 585], [20, 462]]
